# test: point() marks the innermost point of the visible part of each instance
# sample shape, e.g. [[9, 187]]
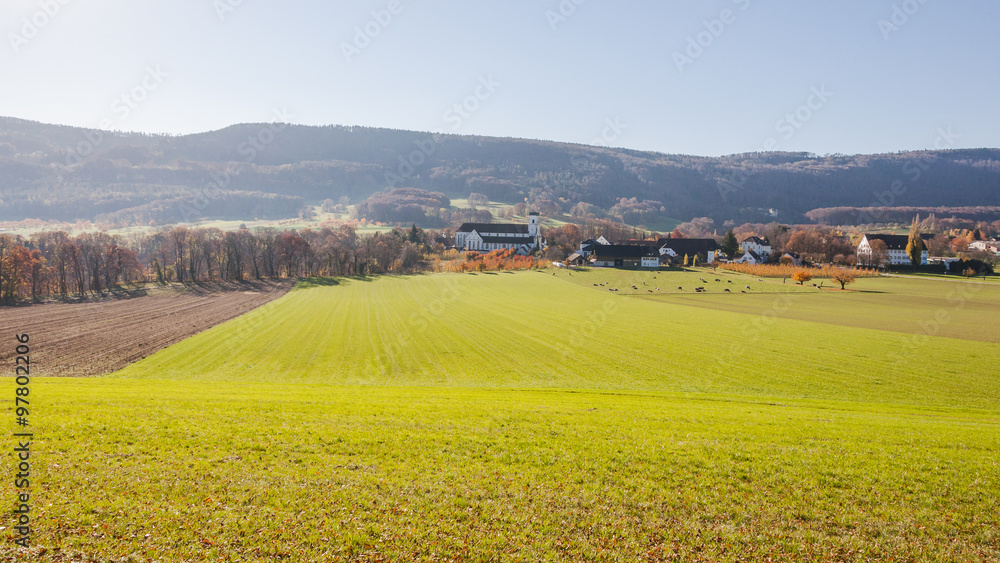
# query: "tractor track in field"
[[104, 335]]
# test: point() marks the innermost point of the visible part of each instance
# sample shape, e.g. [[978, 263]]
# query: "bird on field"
[[680, 288], [727, 290]]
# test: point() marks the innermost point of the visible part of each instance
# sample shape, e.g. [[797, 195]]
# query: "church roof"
[[509, 228]]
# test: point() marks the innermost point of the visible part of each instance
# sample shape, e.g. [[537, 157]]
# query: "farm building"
[[626, 256], [587, 247], [524, 239], [895, 244], [705, 249]]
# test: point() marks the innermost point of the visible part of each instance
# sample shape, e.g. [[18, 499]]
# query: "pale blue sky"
[[219, 62]]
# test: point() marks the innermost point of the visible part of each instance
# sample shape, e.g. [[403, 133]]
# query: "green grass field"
[[531, 416]]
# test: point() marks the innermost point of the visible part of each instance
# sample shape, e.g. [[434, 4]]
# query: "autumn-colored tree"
[[802, 276], [844, 277], [915, 245], [16, 264], [879, 254]]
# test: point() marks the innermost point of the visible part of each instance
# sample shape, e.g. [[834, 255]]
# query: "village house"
[[705, 249], [484, 237], [760, 247], [749, 257], [625, 256], [896, 246], [991, 246], [588, 246]]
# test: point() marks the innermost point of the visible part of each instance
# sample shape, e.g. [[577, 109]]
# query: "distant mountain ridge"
[[264, 170]]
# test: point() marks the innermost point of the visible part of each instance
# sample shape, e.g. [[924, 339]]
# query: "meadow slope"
[[534, 330], [531, 417]]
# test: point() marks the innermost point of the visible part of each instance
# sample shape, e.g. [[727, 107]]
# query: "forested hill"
[[271, 170]]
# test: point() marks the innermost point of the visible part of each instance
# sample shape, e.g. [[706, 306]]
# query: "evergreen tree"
[[730, 245]]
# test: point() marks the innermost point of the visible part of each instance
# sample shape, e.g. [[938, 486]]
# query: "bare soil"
[[103, 335]]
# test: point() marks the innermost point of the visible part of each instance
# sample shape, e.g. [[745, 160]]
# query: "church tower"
[[533, 224]]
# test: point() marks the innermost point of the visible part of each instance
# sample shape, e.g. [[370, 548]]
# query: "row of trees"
[[56, 264]]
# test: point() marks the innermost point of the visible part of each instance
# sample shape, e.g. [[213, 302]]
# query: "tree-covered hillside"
[[271, 170]]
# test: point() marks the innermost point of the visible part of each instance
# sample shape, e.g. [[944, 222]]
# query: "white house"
[[759, 246], [896, 247], [485, 237], [749, 257], [991, 246], [588, 246], [706, 250]]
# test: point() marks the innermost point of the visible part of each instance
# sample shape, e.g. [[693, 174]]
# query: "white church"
[[485, 237]]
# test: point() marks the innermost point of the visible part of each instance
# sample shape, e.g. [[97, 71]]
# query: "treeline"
[[55, 264]]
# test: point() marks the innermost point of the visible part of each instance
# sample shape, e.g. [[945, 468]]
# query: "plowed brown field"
[[101, 336]]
